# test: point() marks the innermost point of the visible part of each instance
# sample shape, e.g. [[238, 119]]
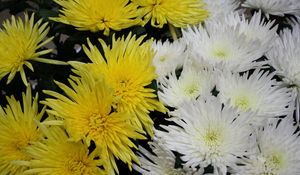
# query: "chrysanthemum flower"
[[18, 131], [179, 13], [209, 134], [128, 69], [98, 15], [274, 7], [168, 56], [257, 28], [222, 46], [277, 151], [220, 8], [20, 42], [161, 162], [188, 86], [88, 115], [57, 155], [257, 92], [285, 56]]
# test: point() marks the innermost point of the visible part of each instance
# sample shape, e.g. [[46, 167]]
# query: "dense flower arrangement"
[[150, 87]]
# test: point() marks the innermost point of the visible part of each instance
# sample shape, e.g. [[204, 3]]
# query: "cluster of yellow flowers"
[[107, 102], [116, 15]]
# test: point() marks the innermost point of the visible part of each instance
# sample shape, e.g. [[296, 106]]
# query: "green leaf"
[[45, 13]]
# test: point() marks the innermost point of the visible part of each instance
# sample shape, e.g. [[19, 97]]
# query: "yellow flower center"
[[122, 87], [97, 124], [77, 166], [126, 93], [157, 3], [22, 141], [21, 144]]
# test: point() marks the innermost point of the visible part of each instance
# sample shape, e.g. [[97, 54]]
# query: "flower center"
[[274, 161], [220, 50], [77, 166], [220, 53], [21, 141], [212, 138], [242, 102], [162, 58], [157, 3], [126, 94], [123, 86], [97, 124], [21, 144], [191, 90]]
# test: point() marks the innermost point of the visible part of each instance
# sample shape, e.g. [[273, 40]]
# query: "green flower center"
[[242, 102], [220, 53], [162, 58], [212, 138], [275, 161], [191, 90]]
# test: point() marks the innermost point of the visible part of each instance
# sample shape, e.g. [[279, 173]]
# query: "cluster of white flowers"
[[231, 85]]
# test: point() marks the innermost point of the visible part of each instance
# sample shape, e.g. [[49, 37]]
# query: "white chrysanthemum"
[[209, 134], [278, 151], [222, 45], [257, 28], [275, 7], [285, 55], [257, 92], [168, 56], [191, 84], [219, 8], [162, 162]]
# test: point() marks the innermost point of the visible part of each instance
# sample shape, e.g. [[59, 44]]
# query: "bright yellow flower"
[[21, 41], [58, 156], [98, 15], [18, 131], [128, 69], [88, 115], [179, 13]]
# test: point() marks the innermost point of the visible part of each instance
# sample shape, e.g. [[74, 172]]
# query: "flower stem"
[[173, 31]]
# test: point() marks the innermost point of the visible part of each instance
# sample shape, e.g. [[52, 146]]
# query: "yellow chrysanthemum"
[[179, 13], [88, 115], [20, 41], [58, 156], [18, 131], [98, 15], [128, 69]]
